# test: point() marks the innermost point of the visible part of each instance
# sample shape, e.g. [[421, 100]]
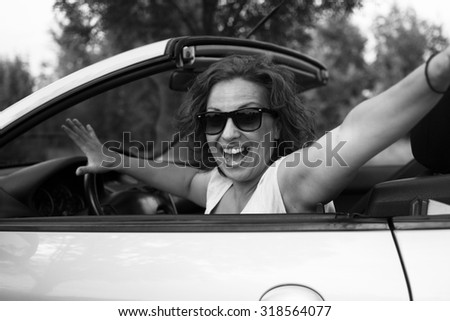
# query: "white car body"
[[200, 266]]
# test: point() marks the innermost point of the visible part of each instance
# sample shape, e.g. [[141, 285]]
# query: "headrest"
[[430, 138]]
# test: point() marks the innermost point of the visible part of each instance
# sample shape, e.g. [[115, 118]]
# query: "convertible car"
[[110, 237]]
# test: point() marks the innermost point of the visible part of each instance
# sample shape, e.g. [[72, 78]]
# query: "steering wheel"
[[155, 201]]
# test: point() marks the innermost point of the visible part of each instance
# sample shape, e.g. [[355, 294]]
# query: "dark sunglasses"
[[246, 119]]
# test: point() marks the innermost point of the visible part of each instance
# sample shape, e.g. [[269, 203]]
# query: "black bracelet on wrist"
[[428, 77]]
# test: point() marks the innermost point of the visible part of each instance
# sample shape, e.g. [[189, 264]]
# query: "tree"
[[93, 29], [403, 41], [340, 46], [16, 82]]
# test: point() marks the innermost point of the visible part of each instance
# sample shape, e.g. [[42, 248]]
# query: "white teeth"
[[233, 151]]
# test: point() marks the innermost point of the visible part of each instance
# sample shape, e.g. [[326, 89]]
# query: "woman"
[[258, 136]]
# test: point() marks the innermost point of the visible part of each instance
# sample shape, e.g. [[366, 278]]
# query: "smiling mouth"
[[234, 150], [235, 155]]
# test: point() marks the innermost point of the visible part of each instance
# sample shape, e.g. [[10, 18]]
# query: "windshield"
[[137, 117]]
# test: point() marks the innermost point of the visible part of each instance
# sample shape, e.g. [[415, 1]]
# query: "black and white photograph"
[[225, 150]]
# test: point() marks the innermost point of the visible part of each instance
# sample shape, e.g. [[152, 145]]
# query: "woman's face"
[[242, 155]]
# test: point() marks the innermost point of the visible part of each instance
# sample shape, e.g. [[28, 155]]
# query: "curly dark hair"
[[297, 125]]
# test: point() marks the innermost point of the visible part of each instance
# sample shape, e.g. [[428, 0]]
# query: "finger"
[[81, 142], [78, 123], [83, 170], [70, 123], [73, 127], [91, 131], [80, 171], [79, 128], [74, 136]]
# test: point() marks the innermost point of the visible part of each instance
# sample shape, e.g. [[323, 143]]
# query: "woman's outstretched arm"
[[327, 166], [183, 181]]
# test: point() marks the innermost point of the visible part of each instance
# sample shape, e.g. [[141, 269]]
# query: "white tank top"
[[265, 199]]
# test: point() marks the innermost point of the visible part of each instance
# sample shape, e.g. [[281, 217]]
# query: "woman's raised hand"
[[98, 156]]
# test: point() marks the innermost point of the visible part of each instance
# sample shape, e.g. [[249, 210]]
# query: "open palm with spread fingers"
[[98, 156]]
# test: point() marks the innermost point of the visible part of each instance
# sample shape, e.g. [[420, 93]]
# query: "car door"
[[197, 257], [423, 243]]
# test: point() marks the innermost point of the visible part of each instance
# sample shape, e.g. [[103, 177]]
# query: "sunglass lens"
[[247, 119], [214, 123]]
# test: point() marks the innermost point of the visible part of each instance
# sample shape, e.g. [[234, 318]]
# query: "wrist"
[[436, 73]]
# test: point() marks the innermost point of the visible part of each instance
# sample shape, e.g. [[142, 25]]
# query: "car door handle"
[[291, 292]]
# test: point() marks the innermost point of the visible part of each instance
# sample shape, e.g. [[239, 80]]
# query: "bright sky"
[[25, 31], [25, 25]]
